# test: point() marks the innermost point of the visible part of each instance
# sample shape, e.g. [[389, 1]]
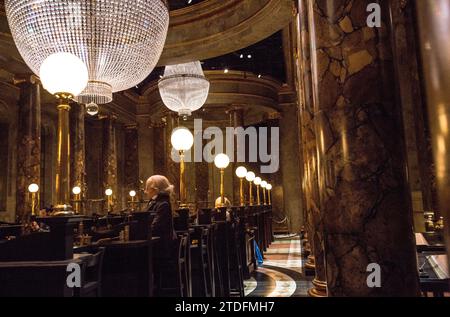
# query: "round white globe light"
[[250, 176], [269, 187], [221, 161], [257, 181], [64, 73], [92, 109], [33, 188], [108, 192], [182, 139], [264, 184], [132, 193], [76, 190], [241, 172]]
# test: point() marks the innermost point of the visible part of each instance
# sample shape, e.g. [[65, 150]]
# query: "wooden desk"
[[128, 269], [435, 275], [430, 242], [37, 278]]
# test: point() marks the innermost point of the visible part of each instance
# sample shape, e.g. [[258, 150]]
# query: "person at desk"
[[159, 190], [226, 203]]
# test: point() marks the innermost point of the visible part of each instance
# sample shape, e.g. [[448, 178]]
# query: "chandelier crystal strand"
[[184, 88], [120, 41]]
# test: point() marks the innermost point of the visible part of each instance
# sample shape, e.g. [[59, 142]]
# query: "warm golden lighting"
[[76, 190], [264, 186], [133, 194], [257, 182], [64, 73], [241, 172], [250, 177], [222, 161], [269, 188], [33, 189], [182, 140], [109, 193]]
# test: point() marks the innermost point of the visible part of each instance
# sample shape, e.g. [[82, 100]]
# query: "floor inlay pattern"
[[281, 273]]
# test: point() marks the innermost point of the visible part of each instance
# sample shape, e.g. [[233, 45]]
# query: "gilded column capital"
[[133, 126], [26, 78], [109, 116]]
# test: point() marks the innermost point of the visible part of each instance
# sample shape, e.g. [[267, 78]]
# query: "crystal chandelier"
[[120, 41], [184, 88]]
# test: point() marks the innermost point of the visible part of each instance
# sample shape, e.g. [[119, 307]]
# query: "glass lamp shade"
[[33, 188], [92, 109], [269, 187], [76, 190], [222, 161], [184, 88], [63, 73], [250, 176], [241, 172], [132, 193], [264, 184], [257, 181], [182, 139], [108, 192], [120, 41]]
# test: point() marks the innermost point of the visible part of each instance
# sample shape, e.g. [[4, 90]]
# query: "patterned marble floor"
[[281, 274]]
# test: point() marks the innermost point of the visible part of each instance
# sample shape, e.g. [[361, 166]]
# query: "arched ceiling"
[[258, 97], [213, 28], [202, 30]]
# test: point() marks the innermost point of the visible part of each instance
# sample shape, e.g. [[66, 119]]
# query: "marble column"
[[237, 120], [434, 27], [364, 196], [28, 144], [310, 181], [417, 133], [172, 167], [290, 166], [78, 158], [109, 154], [159, 142], [131, 158]]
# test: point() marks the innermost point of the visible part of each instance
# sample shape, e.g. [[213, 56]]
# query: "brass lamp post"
[[241, 172], [269, 188], [65, 76], [76, 191], [109, 195], [33, 189], [264, 186], [257, 182], [133, 202], [221, 161], [250, 177], [182, 140]]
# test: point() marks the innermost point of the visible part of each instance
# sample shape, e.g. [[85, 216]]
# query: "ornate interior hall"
[[224, 148]]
